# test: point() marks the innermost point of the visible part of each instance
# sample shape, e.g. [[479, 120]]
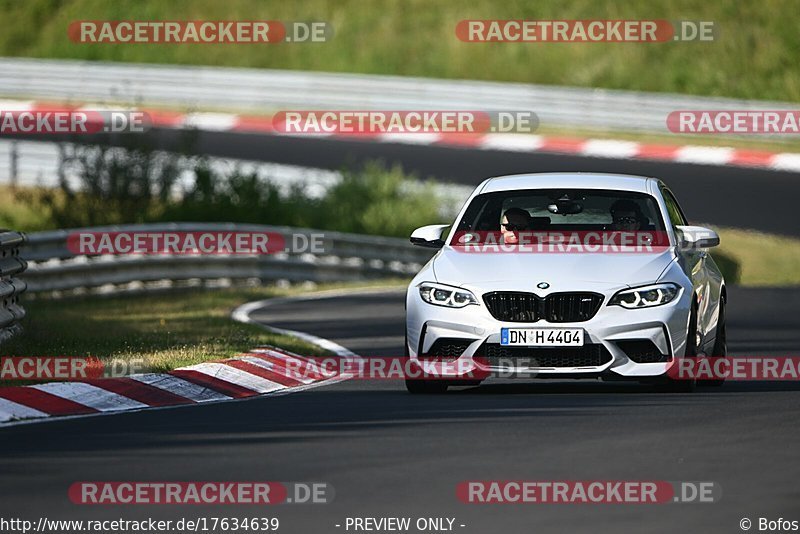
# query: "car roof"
[[568, 180]]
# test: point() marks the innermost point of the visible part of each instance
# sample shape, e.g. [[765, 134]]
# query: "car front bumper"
[[608, 331]]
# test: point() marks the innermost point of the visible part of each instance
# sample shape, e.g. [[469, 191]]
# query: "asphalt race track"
[[388, 453]]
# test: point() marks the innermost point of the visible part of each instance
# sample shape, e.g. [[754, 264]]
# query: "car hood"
[[562, 271]]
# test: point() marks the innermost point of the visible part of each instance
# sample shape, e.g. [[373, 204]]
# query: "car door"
[[695, 263]]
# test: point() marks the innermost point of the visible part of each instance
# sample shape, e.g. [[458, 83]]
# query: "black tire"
[[672, 385], [423, 387], [720, 349]]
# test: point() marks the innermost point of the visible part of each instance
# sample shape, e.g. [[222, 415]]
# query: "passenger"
[[626, 215]]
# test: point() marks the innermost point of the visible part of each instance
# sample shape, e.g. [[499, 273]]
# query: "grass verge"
[[764, 260], [21, 216], [753, 55], [164, 330]]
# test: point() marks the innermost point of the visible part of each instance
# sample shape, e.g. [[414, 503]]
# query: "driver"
[[514, 220]]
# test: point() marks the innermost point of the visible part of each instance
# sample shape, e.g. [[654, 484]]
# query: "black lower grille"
[[499, 356], [643, 351], [520, 307], [447, 348]]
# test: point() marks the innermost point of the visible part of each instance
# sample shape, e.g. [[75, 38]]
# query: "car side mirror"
[[429, 236], [696, 237]]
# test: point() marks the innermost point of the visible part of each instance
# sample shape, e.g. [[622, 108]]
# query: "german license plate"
[[541, 337]]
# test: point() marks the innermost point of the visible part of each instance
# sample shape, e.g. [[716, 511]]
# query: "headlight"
[[646, 296], [441, 295]]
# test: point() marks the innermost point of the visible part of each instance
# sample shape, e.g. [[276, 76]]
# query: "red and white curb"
[[601, 148], [262, 371]]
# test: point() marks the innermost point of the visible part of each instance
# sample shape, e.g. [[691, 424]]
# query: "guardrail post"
[[11, 265], [13, 165]]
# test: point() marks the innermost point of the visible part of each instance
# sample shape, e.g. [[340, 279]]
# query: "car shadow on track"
[[614, 388]]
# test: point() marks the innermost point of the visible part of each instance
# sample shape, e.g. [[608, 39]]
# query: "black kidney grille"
[[512, 306], [520, 307], [572, 307]]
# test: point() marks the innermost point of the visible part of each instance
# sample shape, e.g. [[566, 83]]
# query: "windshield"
[[557, 210]]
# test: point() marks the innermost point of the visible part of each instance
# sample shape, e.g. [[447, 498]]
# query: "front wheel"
[[720, 349], [675, 385]]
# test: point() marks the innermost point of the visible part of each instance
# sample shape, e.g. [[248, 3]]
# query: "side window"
[[673, 210]]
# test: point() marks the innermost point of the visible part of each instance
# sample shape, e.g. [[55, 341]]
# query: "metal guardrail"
[[31, 163], [52, 267], [262, 90], [11, 266]]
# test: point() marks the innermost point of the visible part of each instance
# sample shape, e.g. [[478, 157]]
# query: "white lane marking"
[[704, 154], [236, 376], [511, 142], [16, 105], [410, 138], [210, 121], [103, 108], [242, 314], [279, 131], [11, 410], [326, 344], [91, 396], [181, 387], [786, 162], [610, 149], [278, 370]]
